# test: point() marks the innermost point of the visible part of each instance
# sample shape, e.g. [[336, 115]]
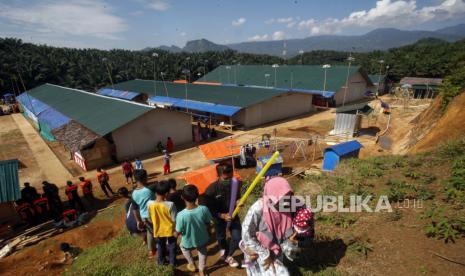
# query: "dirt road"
[[49, 165]]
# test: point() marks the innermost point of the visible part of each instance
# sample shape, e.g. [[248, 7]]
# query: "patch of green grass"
[[361, 246], [452, 148], [339, 220], [327, 271], [399, 190], [123, 255]]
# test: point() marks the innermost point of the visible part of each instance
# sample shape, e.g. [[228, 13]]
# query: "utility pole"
[[275, 66], [326, 67], [155, 56], [349, 59]]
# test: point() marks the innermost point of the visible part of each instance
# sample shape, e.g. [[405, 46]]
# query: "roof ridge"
[[102, 96]]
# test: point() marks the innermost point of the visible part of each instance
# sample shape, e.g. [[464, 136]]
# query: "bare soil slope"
[[432, 128]]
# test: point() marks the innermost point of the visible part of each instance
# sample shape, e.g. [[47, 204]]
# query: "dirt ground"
[[450, 125], [19, 140], [42, 258]]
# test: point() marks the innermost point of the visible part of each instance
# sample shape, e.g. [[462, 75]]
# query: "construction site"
[[337, 138]]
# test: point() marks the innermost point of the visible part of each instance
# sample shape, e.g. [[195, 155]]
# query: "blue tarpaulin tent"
[[334, 154], [47, 118], [125, 95], [227, 110]]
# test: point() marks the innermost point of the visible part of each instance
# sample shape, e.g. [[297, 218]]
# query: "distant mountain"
[[378, 39], [172, 48], [203, 45], [458, 30]]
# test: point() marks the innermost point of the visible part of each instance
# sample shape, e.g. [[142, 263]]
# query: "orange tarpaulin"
[[180, 81], [220, 150], [203, 177], [207, 83]]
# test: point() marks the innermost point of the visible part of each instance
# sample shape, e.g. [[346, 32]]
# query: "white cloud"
[[285, 20], [183, 34], [259, 38], [387, 13], [278, 35], [291, 24], [75, 17], [158, 5], [238, 22]]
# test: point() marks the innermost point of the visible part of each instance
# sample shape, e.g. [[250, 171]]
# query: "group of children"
[[160, 214], [154, 212]]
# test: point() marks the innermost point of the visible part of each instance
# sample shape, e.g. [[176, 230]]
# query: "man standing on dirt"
[[73, 196], [220, 198], [128, 171], [86, 186], [56, 206], [103, 178], [141, 196]]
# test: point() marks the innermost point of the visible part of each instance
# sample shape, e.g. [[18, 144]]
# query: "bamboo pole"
[[254, 183]]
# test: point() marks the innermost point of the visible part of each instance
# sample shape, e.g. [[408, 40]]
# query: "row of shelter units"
[[225, 105], [250, 102], [99, 130], [327, 84]]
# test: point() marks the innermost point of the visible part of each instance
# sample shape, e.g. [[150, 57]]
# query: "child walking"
[[192, 223], [163, 215]]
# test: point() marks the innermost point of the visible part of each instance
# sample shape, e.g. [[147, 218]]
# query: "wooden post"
[[231, 123], [231, 152]]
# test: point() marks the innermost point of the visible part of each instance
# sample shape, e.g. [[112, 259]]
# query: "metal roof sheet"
[[98, 113], [345, 148], [125, 95], [240, 96], [226, 110], [308, 77], [9, 181]]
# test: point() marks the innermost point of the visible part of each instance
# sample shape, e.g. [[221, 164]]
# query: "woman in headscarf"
[[267, 233]]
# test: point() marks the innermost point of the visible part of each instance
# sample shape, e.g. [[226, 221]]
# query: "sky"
[[136, 24]]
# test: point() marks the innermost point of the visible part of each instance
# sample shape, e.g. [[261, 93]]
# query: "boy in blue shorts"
[[192, 224]]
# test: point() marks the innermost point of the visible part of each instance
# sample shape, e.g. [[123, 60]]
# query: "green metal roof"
[[240, 96], [309, 77], [98, 113], [374, 78], [9, 181]]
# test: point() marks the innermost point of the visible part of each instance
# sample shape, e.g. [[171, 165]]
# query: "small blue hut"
[[335, 153]]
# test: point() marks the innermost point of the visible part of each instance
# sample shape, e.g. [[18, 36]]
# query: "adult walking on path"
[[220, 198], [267, 233], [103, 178]]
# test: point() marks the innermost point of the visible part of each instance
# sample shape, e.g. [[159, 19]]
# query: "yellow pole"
[[254, 183]]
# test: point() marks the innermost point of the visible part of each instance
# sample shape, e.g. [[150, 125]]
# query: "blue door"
[[330, 160]]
